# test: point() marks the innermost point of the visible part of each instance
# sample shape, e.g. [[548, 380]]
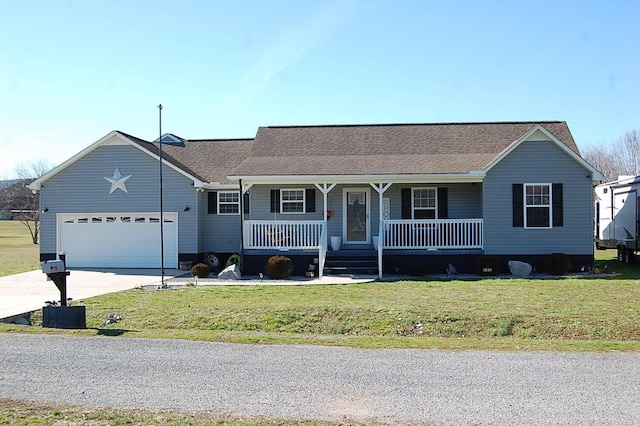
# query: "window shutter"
[[212, 203], [245, 203], [406, 203], [310, 200], [518, 205], [275, 201], [557, 204], [443, 206]]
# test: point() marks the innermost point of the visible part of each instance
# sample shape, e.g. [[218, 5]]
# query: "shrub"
[[200, 270], [278, 267], [487, 265], [417, 270], [557, 264]]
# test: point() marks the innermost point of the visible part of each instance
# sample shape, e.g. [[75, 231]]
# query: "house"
[[385, 196]]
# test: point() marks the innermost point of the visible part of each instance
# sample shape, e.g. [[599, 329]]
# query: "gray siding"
[[220, 233], [538, 162], [464, 201], [201, 211], [81, 188]]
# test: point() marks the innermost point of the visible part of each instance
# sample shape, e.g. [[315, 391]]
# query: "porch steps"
[[351, 262]]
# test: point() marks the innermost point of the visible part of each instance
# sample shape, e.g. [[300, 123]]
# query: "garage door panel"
[[118, 240]]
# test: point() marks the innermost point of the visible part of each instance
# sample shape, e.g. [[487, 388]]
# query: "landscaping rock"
[[231, 272], [519, 269]]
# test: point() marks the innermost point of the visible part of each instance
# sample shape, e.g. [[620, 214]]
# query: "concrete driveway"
[[28, 291]]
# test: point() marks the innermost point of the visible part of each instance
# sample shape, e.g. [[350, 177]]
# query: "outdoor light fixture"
[[187, 208], [45, 210]]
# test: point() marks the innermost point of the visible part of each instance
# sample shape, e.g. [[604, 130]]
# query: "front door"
[[356, 216]]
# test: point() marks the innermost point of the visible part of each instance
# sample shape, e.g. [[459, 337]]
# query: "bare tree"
[[20, 201], [619, 158]]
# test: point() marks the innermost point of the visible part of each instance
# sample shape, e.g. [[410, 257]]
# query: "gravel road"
[[395, 386]]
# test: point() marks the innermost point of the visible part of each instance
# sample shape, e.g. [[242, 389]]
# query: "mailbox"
[[53, 266]]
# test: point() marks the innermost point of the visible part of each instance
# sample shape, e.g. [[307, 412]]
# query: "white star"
[[117, 181]]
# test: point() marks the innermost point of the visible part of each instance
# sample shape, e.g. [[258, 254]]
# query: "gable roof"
[[387, 149], [438, 151], [203, 161], [210, 160]]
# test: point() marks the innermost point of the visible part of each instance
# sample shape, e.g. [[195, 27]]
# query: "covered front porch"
[[395, 236]]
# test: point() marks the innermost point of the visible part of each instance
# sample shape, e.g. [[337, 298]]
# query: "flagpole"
[[161, 204]]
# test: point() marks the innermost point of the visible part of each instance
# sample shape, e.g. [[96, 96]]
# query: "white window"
[[537, 205], [424, 203], [228, 202], [292, 201]]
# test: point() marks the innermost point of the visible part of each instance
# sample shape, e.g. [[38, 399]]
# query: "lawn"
[[576, 313], [14, 412], [540, 313], [17, 251]]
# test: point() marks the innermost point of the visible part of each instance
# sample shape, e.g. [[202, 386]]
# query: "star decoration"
[[117, 181]]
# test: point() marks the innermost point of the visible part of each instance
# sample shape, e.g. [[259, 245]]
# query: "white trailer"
[[616, 221]]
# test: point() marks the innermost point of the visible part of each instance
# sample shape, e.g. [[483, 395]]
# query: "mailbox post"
[[62, 316], [56, 270]]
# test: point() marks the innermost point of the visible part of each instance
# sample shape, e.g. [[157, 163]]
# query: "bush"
[[487, 266], [557, 264], [417, 270], [200, 270], [278, 267]]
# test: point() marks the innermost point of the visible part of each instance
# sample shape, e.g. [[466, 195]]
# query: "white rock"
[[519, 269], [231, 272]]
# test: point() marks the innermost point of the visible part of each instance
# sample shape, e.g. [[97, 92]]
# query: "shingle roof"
[[210, 160], [443, 148]]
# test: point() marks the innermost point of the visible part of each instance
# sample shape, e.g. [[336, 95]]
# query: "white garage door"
[[118, 240]]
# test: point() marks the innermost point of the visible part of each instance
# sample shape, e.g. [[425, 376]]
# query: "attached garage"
[[117, 240]]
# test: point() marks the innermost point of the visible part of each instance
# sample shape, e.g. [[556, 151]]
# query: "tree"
[[23, 204], [619, 158]]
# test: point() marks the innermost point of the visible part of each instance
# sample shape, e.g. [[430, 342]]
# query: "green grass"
[[13, 412], [576, 313], [17, 251]]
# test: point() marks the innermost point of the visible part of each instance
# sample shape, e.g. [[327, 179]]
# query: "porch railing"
[[288, 235], [433, 234]]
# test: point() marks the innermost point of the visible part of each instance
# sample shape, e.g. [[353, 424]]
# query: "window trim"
[[414, 208], [220, 202], [526, 206], [303, 201]]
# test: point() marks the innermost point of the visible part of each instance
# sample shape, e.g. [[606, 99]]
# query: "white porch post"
[[380, 188], [244, 188], [324, 188]]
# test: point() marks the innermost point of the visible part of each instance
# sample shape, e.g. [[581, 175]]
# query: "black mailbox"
[[62, 315]]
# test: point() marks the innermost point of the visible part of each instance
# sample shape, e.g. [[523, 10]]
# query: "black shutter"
[[310, 200], [518, 205], [557, 204], [443, 206], [245, 203], [406, 203], [212, 203], [275, 201]]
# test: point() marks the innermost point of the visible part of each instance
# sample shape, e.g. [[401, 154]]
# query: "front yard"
[[576, 313]]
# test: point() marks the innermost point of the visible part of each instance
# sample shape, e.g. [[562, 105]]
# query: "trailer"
[[616, 222]]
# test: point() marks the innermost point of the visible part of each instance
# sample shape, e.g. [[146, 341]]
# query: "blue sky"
[[72, 71]]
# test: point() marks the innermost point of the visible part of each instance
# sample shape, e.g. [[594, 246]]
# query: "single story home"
[[374, 198]]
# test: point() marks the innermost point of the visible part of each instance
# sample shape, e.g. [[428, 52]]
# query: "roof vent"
[[171, 139]]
